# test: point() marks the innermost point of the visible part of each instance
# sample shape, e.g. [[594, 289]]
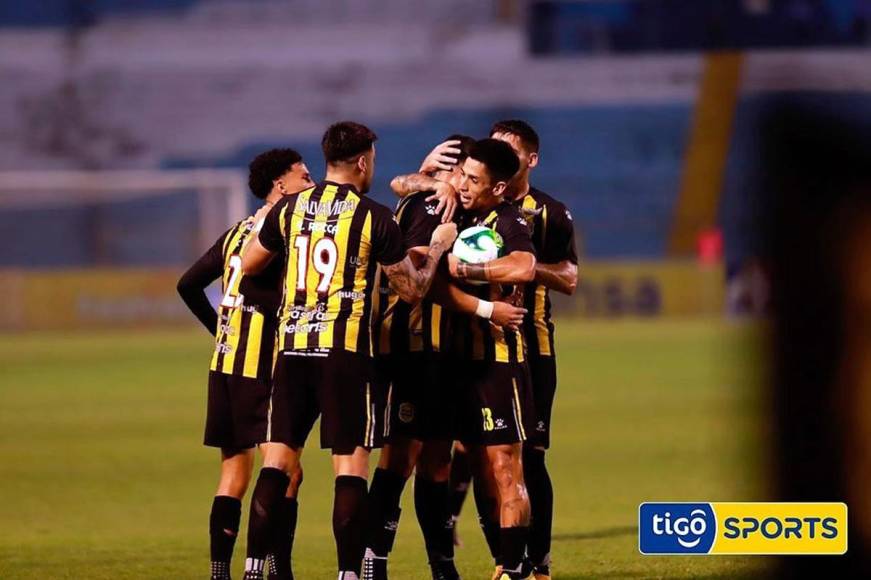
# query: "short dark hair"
[[498, 156], [269, 166], [520, 129], [346, 140], [464, 146]]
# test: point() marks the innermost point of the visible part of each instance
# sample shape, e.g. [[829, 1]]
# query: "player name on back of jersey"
[[328, 208]]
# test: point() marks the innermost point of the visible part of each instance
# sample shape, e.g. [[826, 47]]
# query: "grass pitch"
[[103, 474]]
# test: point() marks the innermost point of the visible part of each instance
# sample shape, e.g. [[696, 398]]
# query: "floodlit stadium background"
[[125, 130]]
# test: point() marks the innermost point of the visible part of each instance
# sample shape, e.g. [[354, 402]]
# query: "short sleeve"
[[560, 242], [387, 243], [418, 221], [271, 237], [514, 231]]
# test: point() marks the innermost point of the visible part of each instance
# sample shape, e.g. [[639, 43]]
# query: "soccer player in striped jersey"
[[495, 415], [332, 238], [412, 355], [241, 368], [553, 235]]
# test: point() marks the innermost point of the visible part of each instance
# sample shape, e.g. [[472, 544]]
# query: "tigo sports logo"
[[742, 528]]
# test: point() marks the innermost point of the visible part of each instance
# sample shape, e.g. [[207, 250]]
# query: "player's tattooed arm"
[[562, 277], [515, 268], [255, 257], [404, 185], [443, 192], [412, 282]]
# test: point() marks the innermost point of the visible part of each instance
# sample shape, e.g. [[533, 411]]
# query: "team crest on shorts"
[[406, 412]]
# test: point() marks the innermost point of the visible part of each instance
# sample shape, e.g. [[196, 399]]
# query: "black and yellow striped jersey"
[[244, 326], [553, 235], [247, 314], [333, 238], [398, 326], [477, 339]]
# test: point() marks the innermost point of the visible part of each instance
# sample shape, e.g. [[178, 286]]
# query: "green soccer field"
[[104, 476]]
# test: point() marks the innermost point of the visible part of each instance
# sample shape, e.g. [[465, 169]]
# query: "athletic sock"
[[265, 502], [223, 530], [383, 515], [488, 519], [461, 478], [431, 504], [513, 544], [540, 491], [348, 521], [280, 567]]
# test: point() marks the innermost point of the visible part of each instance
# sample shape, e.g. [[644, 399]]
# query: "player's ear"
[[499, 188], [362, 164], [533, 160]]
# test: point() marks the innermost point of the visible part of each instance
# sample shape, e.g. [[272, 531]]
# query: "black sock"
[[513, 544], [433, 513], [461, 477], [488, 518], [383, 515], [540, 491], [223, 529], [265, 502], [348, 521], [285, 529]]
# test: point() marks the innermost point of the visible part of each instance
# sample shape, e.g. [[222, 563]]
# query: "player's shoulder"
[[542, 198], [378, 212], [554, 206], [417, 202], [508, 211]]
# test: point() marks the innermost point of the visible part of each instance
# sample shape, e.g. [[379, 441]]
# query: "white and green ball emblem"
[[477, 245]]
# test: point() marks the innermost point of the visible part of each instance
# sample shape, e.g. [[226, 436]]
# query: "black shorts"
[[237, 409], [338, 385], [497, 407], [421, 396], [542, 370]]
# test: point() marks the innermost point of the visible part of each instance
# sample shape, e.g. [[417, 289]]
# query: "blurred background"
[[126, 128]]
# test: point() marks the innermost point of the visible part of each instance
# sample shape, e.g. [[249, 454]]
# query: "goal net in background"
[[97, 249]]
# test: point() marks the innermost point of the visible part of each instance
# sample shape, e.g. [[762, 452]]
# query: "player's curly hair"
[[269, 166], [520, 129], [501, 160]]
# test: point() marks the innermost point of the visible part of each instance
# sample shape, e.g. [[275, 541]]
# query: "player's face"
[[528, 159], [477, 190], [296, 180]]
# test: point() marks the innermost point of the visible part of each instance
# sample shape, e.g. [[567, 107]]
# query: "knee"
[[234, 482], [435, 464], [504, 471], [295, 481], [400, 457]]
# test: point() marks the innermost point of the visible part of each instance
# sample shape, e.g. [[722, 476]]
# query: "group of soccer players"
[[334, 307]]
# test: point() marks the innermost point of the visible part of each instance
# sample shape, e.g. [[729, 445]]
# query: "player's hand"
[[444, 234], [447, 198], [507, 315], [438, 158]]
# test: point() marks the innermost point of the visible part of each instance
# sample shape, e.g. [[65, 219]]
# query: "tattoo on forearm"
[[414, 182], [472, 271], [411, 283]]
